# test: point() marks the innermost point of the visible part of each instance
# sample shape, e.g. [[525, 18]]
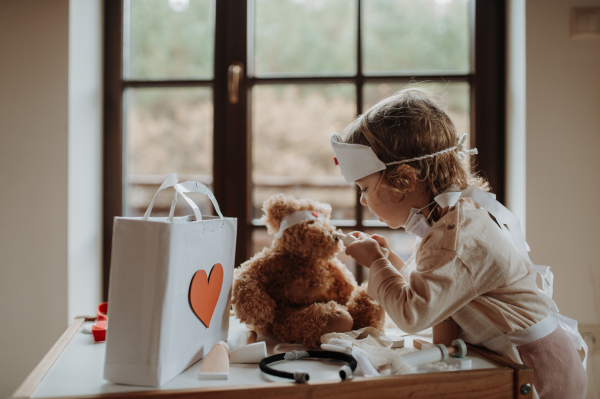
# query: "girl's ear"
[[408, 176]]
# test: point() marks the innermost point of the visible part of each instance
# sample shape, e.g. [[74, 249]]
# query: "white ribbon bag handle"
[[195, 187], [172, 180]]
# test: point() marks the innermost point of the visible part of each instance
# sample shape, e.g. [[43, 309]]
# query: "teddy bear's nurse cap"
[[357, 161], [297, 217]]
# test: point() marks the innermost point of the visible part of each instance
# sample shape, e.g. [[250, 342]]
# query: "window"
[[306, 68]]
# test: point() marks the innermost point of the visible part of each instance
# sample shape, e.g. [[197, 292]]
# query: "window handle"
[[234, 75]]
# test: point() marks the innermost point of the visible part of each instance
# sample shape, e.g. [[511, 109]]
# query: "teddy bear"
[[297, 289]]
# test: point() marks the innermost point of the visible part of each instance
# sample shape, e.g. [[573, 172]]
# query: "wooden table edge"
[[28, 387], [522, 375], [333, 389]]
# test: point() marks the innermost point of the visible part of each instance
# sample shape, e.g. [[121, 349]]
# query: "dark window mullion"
[[429, 78], [365, 79], [472, 105], [359, 96], [167, 83], [488, 92], [300, 80], [112, 203], [358, 214], [232, 155]]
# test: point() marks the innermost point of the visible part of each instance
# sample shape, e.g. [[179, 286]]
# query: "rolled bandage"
[[251, 353]]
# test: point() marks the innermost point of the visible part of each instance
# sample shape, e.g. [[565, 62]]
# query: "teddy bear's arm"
[[251, 304], [345, 283]]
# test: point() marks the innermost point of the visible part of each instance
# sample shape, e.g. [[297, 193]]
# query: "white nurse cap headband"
[[297, 217], [357, 161]]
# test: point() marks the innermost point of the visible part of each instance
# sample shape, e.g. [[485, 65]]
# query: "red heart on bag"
[[205, 291]]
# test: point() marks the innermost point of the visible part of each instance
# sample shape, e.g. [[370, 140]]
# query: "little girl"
[[406, 159]]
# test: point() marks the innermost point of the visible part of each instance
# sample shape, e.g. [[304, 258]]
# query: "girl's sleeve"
[[440, 286]]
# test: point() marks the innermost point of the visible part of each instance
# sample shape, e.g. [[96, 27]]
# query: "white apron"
[[479, 330]]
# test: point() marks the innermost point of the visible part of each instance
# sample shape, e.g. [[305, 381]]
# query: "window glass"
[[168, 130], [297, 37], [409, 35], [454, 97], [291, 126], [170, 38]]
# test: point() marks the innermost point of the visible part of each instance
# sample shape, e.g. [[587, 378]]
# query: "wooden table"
[[74, 368]]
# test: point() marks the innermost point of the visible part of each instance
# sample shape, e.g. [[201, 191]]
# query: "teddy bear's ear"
[[276, 208]]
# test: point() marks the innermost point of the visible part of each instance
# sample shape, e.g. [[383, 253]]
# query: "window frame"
[[232, 162]]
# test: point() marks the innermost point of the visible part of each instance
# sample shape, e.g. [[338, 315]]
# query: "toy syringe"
[[437, 353], [347, 239]]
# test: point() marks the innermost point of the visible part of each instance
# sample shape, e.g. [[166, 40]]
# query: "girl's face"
[[380, 203]]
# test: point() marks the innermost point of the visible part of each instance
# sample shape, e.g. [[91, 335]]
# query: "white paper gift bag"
[[170, 290]]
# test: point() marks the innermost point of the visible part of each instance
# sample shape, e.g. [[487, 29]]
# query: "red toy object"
[[99, 329]]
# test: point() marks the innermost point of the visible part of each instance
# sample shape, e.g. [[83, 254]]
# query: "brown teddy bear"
[[297, 289]]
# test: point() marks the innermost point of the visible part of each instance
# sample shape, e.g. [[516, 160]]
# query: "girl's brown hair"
[[410, 124]]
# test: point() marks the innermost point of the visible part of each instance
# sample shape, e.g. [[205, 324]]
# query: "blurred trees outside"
[[303, 37], [165, 43], [416, 35]]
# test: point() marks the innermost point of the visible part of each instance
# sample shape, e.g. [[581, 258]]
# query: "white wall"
[[50, 175], [515, 110], [563, 156], [85, 156], [33, 179], [563, 162]]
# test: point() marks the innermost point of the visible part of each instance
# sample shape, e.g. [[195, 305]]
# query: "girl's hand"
[[395, 260], [365, 250]]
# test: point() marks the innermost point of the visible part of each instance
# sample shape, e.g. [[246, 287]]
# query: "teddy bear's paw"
[[307, 325], [365, 311], [338, 321]]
